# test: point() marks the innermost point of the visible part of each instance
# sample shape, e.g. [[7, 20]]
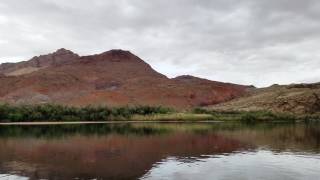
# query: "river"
[[217, 150]]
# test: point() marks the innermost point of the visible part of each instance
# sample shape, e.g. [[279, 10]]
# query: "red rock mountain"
[[112, 78]]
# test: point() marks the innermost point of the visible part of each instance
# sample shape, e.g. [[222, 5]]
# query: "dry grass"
[[172, 117]]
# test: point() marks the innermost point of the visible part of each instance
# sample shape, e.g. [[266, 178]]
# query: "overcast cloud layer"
[[258, 42]]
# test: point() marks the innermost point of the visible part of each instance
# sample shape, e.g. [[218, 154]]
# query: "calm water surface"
[[161, 151]]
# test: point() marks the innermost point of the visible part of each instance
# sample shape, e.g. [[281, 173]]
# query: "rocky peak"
[[119, 55], [119, 52], [63, 51], [60, 57]]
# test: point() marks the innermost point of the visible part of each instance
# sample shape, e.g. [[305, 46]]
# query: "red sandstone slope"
[[113, 78]]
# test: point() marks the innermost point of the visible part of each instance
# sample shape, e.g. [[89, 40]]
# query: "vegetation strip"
[[48, 113]]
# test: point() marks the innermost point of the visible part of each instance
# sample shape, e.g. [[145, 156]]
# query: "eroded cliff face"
[[111, 78]]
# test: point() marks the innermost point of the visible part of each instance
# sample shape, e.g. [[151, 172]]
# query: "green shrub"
[[52, 112]]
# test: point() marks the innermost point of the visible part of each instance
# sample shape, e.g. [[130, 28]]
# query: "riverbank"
[[51, 114]]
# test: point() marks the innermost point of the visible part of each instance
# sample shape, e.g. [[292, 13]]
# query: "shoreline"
[[105, 122]]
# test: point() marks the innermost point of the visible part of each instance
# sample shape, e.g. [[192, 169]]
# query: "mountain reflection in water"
[[154, 151]]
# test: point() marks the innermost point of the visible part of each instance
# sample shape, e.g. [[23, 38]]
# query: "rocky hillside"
[[112, 78], [296, 98], [60, 57]]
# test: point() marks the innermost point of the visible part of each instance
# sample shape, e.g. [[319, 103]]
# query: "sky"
[[253, 42]]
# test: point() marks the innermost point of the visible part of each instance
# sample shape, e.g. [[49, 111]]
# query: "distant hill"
[[113, 78], [295, 98]]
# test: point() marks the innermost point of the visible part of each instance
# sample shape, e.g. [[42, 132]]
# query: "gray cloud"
[[249, 41]]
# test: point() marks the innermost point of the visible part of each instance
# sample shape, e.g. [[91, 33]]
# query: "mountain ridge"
[[116, 77]]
